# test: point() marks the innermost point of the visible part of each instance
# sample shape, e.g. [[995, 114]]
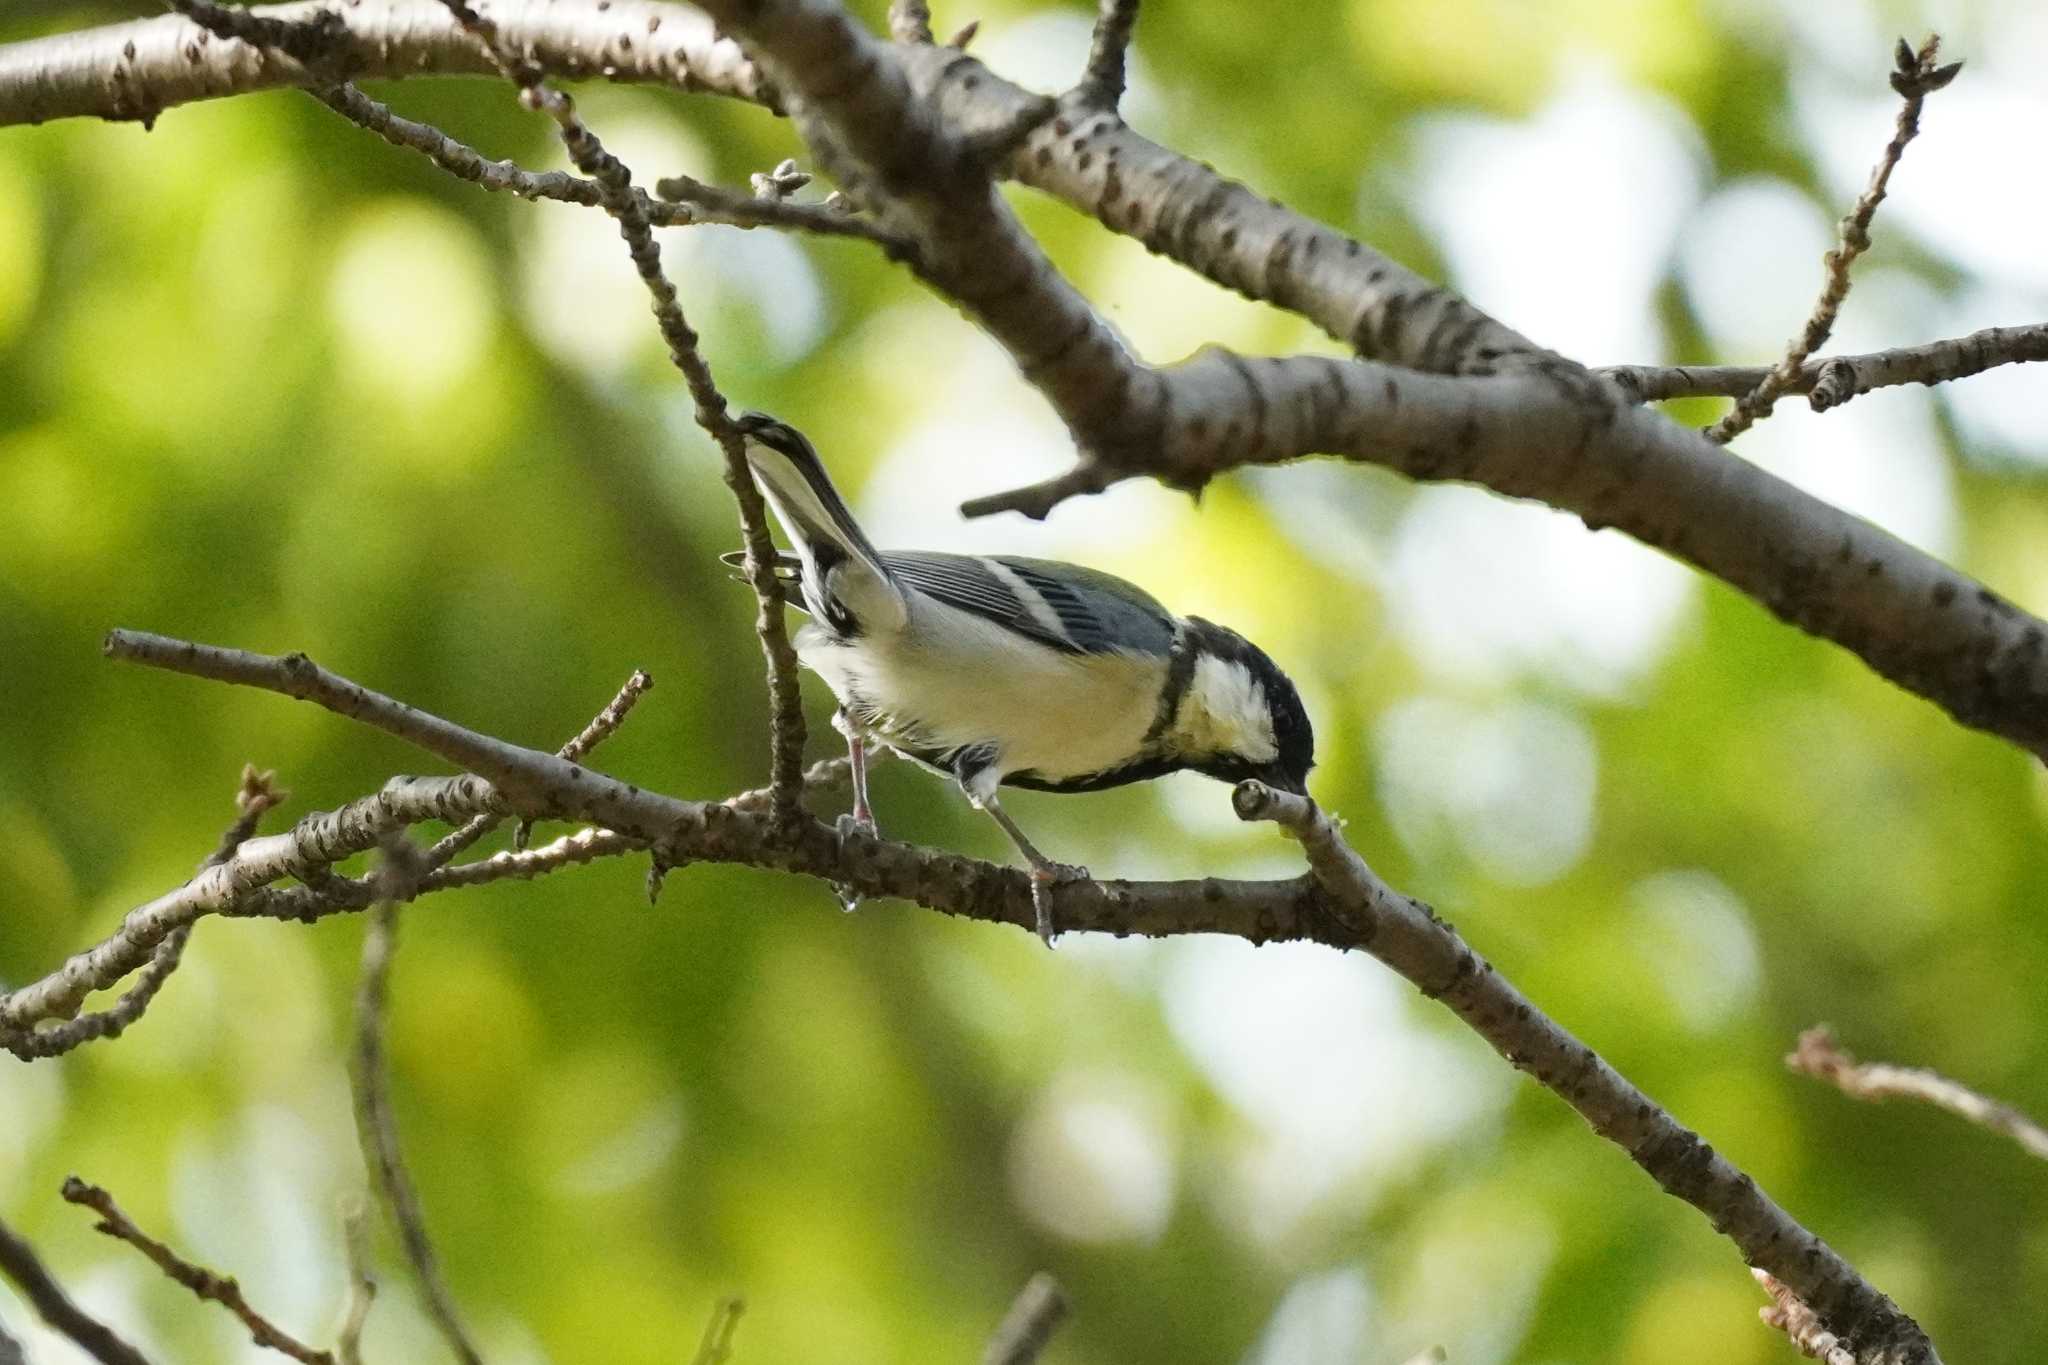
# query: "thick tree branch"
[[137, 70], [204, 1283], [1932, 631], [1820, 1056], [1579, 447], [1407, 936], [1833, 381], [1915, 78], [19, 1263]]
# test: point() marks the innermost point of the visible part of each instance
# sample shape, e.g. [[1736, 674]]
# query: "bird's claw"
[[850, 822], [1045, 876]]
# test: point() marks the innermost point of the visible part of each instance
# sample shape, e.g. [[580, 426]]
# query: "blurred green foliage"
[[266, 381]]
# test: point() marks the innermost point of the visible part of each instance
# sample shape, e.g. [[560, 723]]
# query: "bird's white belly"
[[971, 683]]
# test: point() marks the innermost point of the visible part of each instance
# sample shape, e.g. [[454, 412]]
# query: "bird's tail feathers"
[[840, 564]]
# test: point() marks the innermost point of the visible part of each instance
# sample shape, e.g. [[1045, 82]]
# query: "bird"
[[1004, 671]]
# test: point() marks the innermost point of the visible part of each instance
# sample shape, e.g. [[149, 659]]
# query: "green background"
[[266, 381]]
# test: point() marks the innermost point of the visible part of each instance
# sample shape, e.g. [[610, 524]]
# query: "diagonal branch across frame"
[[1342, 904]]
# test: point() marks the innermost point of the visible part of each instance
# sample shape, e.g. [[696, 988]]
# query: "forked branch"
[[1820, 1056], [1342, 904], [1915, 78]]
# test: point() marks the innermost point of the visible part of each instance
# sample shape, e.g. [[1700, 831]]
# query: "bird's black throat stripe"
[[1180, 675]]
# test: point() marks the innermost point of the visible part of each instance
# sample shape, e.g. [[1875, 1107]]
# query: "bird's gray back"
[[1063, 606]]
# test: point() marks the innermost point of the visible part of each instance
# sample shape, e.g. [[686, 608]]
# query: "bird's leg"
[[857, 759], [862, 817], [1044, 871]]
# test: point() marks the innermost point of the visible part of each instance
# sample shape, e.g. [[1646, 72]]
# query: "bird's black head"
[[1240, 716]]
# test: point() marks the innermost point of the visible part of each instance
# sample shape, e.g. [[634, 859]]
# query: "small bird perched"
[[997, 670]]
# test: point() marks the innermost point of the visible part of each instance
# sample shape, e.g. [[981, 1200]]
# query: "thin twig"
[[1833, 381], [1102, 84], [1915, 78], [377, 1130], [256, 796], [204, 1283], [825, 775], [1788, 1313], [1819, 1055], [694, 201], [602, 726], [1034, 1315], [20, 1263], [627, 207], [910, 21], [362, 1284], [716, 1346]]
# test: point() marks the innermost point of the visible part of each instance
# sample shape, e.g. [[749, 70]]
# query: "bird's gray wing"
[[1097, 611], [1071, 609], [977, 585]]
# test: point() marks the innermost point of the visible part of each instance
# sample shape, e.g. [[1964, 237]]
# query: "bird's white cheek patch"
[[1225, 712]]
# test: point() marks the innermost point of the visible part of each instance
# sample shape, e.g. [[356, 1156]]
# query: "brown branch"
[[1820, 1056], [1831, 382], [1342, 904], [602, 726], [137, 70], [695, 202], [1027, 1328], [256, 796], [627, 207], [1407, 936], [377, 1131], [518, 780], [204, 1283], [19, 1262], [1521, 423], [1102, 84], [1915, 78], [306, 852]]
